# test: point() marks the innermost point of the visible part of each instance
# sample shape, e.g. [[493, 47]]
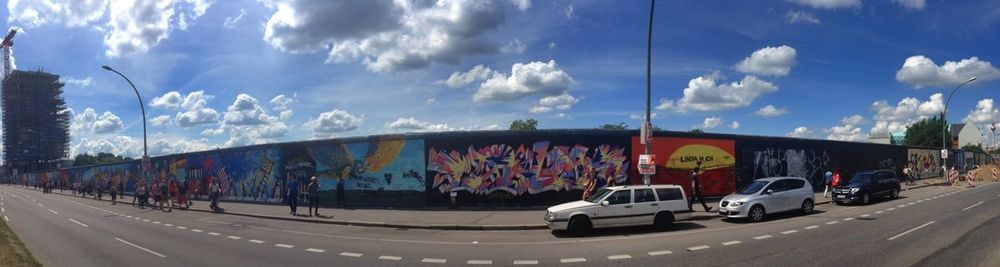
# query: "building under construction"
[[35, 125]]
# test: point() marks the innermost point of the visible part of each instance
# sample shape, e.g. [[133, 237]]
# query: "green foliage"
[[525, 125], [973, 148], [619, 126], [926, 132], [101, 158], [697, 130]]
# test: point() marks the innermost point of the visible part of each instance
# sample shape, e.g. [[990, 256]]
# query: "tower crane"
[[5, 46]]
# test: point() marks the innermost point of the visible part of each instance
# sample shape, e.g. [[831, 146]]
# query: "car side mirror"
[[605, 203], [769, 191]]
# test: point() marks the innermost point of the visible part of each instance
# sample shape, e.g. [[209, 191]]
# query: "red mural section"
[[677, 157]]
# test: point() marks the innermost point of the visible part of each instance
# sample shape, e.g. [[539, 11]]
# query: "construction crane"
[[5, 46]]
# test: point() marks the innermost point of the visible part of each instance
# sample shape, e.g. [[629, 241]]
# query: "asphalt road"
[[929, 226]]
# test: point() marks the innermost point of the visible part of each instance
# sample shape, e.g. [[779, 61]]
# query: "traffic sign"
[[944, 153], [647, 164]]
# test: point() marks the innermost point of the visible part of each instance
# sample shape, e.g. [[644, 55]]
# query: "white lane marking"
[[53, 212], [256, 241], [182, 227], [973, 205], [763, 237], [142, 248], [661, 252], [128, 216], [927, 199], [571, 260], [234, 237], [619, 257], [890, 209], [877, 212], [168, 225], [315, 250], [697, 248], [730, 243], [832, 222], [525, 262], [918, 201], [432, 260], [911, 203], [5, 218], [900, 206], [911, 230], [812, 227], [213, 233], [479, 262], [156, 222], [40, 205], [196, 230], [80, 223], [2, 209], [865, 215], [789, 232], [390, 258], [285, 246], [351, 254]]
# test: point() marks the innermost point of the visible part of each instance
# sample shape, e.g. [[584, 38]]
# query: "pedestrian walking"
[[588, 188], [214, 190], [836, 178], [313, 190], [906, 175], [114, 194], [164, 195], [827, 181], [340, 193], [172, 188], [696, 188], [182, 196], [293, 196]]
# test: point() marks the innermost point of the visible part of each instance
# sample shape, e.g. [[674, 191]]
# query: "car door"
[[775, 201], [672, 199], [794, 193], [884, 182], [617, 212], [644, 206]]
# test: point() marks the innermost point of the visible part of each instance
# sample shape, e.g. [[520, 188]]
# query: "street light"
[[143, 109], [649, 59], [944, 126]]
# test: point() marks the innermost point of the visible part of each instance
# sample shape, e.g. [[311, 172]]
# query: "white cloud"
[[920, 71], [230, 22], [432, 101], [245, 110], [462, 79], [665, 104], [413, 125], [898, 118], [801, 16], [711, 122], [132, 147], [984, 114], [559, 102], [770, 111], [195, 110], [70, 13], [912, 4], [703, 94], [853, 120], [78, 82], [162, 120], [170, 100], [136, 26], [392, 35], [514, 47], [540, 78], [771, 61], [847, 130], [734, 125], [829, 4], [522, 5], [89, 122], [106, 123], [334, 121], [800, 132], [248, 123], [282, 104], [539, 109]]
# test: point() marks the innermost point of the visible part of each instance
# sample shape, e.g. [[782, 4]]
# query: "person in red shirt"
[[172, 187], [836, 178]]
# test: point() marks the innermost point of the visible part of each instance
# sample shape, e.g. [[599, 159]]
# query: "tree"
[[973, 148], [926, 132], [101, 158], [525, 125], [697, 130], [619, 126]]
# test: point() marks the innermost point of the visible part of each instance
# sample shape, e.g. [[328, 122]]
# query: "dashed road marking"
[[730, 243], [2, 209], [142, 248], [927, 199], [789, 232], [812, 227], [697, 248], [182, 227], [128, 216], [6, 219], [832, 222], [900, 206], [911, 230], [918, 201], [285, 246], [865, 215], [878, 212], [256, 241], [213, 233], [619, 257], [890, 209], [53, 212], [572, 260], [763, 237], [351, 254], [660, 252], [525, 262], [479, 262], [156, 222], [315, 250], [390, 258], [168, 225], [911, 203], [234, 237], [432, 260], [973, 206], [80, 223], [196, 230]]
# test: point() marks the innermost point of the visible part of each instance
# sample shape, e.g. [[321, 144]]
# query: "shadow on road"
[[775, 216], [629, 231]]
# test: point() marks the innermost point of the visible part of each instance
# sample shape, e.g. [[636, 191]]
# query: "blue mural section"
[[250, 174]]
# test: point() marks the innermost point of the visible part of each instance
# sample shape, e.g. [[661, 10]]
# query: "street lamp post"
[[649, 59], [145, 153], [944, 126]]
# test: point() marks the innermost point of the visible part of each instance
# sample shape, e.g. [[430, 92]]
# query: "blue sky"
[[230, 73]]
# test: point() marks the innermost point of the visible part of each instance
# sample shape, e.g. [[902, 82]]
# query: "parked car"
[[768, 195], [659, 205], [865, 185]]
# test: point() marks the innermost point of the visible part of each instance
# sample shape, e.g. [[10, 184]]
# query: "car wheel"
[[663, 220], [807, 206], [756, 213], [579, 225], [866, 199], [895, 193]]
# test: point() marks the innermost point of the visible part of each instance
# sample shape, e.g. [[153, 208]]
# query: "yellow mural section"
[[711, 157], [383, 154]]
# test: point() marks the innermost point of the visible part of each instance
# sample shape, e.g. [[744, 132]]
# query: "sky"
[[215, 74]]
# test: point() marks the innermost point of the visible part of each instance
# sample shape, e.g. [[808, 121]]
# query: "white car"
[[658, 205], [768, 195]]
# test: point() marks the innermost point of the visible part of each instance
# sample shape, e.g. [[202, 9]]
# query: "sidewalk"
[[431, 218]]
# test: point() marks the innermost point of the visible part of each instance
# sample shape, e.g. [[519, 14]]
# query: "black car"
[[866, 185]]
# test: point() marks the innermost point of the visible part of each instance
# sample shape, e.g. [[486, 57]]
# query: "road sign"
[[944, 153], [647, 164]]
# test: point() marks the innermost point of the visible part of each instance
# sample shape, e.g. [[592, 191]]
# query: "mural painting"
[[811, 159], [677, 157], [377, 171], [124, 173], [925, 163], [249, 174], [525, 173]]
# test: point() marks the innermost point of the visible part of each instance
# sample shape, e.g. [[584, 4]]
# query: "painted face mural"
[[678, 157]]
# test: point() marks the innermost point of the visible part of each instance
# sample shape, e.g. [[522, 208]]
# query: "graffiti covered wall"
[[925, 163], [521, 169], [248, 174], [677, 157], [810, 159]]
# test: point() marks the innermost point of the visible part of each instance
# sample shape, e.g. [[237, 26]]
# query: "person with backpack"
[[313, 190], [292, 194]]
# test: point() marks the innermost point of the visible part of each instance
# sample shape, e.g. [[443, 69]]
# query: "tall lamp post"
[[145, 154], [944, 127], [649, 59]]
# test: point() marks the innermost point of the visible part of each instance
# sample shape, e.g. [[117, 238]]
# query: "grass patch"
[[12, 251]]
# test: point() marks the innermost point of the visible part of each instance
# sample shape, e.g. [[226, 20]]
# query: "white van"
[[658, 205]]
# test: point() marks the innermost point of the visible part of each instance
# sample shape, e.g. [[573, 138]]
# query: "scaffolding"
[[35, 122]]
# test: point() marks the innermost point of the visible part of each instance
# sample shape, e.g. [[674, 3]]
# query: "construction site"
[[35, 121]]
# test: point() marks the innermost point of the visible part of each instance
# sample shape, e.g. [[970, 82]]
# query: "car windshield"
[[860, 179], [598, 195], [752, 188]]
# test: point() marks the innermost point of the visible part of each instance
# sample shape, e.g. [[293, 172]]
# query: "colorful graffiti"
[[925, 163], [523, 169], [807, 164], [677, 157], [244, 175], [122, 173]]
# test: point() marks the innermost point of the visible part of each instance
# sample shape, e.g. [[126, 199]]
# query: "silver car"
[[768, 195]]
